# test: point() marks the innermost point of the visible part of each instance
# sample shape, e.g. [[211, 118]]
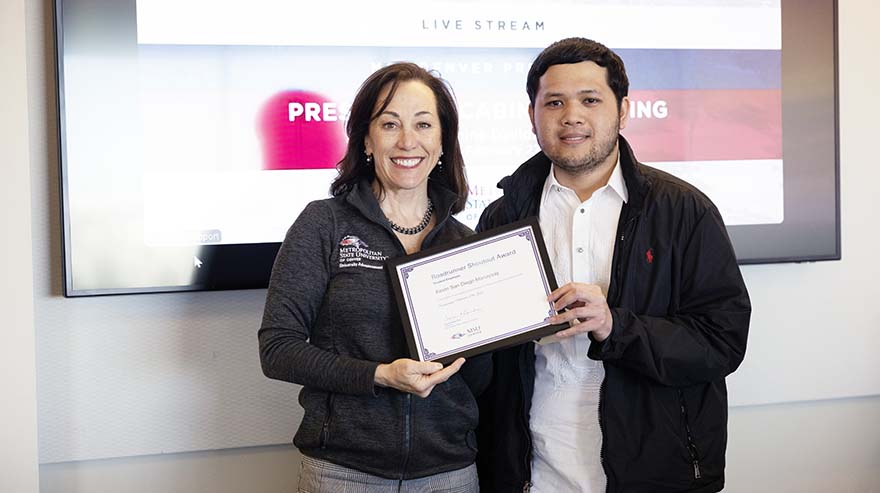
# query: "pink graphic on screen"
[[301, 130], [707, 125]]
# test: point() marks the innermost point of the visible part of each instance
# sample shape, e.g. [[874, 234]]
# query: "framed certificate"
[[478, 294]]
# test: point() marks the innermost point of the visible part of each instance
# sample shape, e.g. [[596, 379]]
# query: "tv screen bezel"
[[809, 28]]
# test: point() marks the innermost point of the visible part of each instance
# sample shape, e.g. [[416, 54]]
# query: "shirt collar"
[[615, 182], [550, 186]]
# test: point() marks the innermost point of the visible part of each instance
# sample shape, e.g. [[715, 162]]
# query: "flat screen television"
[[192, 132]]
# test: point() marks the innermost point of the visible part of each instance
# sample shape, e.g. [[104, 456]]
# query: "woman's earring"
[[369, 159]]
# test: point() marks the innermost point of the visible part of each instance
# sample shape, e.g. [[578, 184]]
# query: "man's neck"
[[586, 183]]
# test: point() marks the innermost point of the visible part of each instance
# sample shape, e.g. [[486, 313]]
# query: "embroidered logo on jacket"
[[353, 240], [354, 252], [649, 255]]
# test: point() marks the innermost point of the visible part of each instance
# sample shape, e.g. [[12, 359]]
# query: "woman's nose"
[[406, 139]]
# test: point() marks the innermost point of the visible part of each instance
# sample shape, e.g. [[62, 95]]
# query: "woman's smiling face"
[[405, 140]]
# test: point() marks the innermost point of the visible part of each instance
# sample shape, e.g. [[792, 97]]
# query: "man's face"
[[575, 117]]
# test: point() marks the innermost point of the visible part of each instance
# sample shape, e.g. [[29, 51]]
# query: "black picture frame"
[[546, 270]]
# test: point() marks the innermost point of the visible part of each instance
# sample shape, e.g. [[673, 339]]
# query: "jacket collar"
[[529, 178]]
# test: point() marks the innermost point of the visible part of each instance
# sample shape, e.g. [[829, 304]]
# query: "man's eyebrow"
[[559, 94]]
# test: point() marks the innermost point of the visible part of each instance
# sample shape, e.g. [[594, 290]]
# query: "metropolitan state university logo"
[[354, 252]]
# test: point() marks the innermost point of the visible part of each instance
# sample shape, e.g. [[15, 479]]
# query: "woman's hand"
[[415, 377]]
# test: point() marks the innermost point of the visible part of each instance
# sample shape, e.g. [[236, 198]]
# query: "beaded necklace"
[[418, 228]]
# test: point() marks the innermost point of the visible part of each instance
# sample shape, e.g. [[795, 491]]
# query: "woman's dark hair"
[[353, 166], [576, 50]]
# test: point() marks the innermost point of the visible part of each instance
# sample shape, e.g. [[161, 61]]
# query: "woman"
[[331, 324]]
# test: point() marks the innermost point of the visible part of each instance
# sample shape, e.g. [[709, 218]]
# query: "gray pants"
[[318, 476]]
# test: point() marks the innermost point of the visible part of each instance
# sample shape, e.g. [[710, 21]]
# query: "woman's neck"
[[407, 209], [404, 207]]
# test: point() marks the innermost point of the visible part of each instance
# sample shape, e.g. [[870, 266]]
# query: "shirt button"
[[582, 211], [580, 250]]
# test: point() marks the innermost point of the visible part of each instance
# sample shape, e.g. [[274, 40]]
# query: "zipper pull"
[[697, 474], [527, 487]]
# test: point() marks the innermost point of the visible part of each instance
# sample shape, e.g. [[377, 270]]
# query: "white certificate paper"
[[483, 293]]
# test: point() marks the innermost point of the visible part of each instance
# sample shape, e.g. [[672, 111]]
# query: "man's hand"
[[586, 305], [415, 377]]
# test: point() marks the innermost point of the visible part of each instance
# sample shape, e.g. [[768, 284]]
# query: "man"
[[631, 397]]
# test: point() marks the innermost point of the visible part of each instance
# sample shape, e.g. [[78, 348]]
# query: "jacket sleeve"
[[703, 337], [294, 298], [491, 216]]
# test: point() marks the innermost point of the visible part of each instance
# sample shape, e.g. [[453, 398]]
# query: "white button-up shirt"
[[564, 418]]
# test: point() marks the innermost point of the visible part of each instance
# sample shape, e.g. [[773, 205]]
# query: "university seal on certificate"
[[475, 295]]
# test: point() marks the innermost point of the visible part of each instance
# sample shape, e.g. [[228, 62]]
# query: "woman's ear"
[[368, 149]]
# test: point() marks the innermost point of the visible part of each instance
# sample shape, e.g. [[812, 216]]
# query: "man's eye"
[[554, 103], [591, 100]]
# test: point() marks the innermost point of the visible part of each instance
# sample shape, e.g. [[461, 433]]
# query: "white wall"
[[807, 447], [142, 374], [811, 446], [18, 431], [807, 316], [251, 470]]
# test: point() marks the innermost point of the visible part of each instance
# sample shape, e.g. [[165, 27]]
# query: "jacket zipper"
[[407, 434], [407, 411], [619, 247], [618, 272], [325, 427], [691, 447], [602, 430]]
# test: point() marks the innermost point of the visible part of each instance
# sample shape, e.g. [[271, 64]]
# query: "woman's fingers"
[[415, 377]]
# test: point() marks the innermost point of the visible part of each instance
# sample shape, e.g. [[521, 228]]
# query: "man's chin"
[[574, 166], [584, 163]]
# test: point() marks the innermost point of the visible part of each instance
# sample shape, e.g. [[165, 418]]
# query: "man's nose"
[[573, 116]]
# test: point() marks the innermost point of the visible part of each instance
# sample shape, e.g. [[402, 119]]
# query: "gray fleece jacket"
[[330, 319]]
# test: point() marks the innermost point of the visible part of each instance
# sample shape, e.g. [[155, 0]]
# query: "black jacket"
[[680, 321], [330, 318]]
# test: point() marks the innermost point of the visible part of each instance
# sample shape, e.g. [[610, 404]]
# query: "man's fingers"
[[574, 294], [585, 319], [580, 328], [579, 313], [560, 291], [567, 300]]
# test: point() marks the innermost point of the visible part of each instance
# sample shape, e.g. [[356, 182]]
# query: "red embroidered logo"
[[649, 255]]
